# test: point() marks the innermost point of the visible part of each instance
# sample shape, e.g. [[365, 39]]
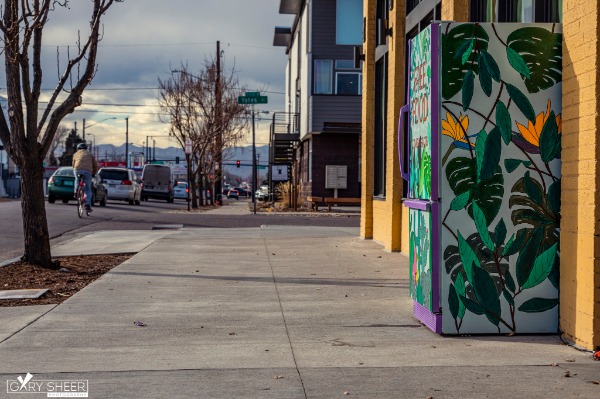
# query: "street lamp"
[[127, 142], [94, 124]]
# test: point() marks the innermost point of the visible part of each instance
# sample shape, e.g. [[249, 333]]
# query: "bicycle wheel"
[[80, 202]]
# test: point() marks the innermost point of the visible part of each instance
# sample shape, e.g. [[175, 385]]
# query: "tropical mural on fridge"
[[481, 156]]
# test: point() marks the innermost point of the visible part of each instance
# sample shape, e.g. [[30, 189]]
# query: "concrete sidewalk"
[[271, 312]]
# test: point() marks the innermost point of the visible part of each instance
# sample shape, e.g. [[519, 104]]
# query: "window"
[[380, 105], [515, 10], [360, 158], [381, 16], [323, 73], [310, 142], [411, 5], [525, 11], [348, 83], [348, 80], [348, 22], [380, 139], [344, 64]]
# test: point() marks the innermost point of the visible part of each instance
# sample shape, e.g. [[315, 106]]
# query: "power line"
[[270, 48], [156, 88], [136, 45]]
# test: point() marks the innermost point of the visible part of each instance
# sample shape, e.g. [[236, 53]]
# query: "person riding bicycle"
[[85, 164]]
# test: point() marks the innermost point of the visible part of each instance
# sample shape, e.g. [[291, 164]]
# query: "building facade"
[[388, 26], [323, 89]]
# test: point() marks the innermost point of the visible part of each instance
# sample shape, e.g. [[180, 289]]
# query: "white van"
[[157, 182]]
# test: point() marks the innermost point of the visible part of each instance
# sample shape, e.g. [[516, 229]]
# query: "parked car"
[[61, 185], [157, 182], [242, 192], [181, 190], [121, 184], [233, 193], [262, 194]]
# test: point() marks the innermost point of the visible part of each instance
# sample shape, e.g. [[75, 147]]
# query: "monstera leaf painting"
[[533, 207], [503, 222], [462, 176], [536, 53], [454, 267], [460, 54]]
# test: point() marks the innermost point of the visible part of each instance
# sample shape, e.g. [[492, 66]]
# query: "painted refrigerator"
[[480, 154]]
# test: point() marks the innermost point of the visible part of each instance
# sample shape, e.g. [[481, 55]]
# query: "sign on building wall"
[[279, 173], [336, 176]]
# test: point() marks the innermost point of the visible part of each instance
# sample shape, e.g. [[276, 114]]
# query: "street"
[[63, 222]]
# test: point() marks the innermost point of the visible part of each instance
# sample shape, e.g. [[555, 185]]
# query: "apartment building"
[[323, 94]]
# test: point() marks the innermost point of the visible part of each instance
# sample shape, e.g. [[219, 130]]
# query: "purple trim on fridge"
[[435, 111], [422, 205], [431, 320], [436, 260], [402, 153], [436, 236]]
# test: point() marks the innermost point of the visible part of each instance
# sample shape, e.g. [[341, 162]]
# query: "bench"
[[341, 201], [314, 202]]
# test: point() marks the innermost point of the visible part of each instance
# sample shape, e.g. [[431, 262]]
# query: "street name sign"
[[253, 100]]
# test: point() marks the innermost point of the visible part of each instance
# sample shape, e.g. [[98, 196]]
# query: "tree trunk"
[[201, 187], [35, 226], [194, 189]]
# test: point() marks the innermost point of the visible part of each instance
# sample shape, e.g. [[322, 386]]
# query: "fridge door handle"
[[403, 147]]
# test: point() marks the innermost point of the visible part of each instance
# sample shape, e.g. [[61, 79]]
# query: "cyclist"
[[85, 164]]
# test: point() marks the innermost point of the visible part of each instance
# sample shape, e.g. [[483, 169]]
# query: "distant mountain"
[[162, 154], [230, 156]]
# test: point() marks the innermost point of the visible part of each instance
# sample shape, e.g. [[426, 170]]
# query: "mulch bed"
[[81, 271]]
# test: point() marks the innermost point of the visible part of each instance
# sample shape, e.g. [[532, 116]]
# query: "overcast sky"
[[146, 39]]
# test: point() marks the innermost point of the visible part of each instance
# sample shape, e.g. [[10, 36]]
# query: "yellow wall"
[[580, 228], [457, 10], [386, 221], [368, 115], [381, 220]]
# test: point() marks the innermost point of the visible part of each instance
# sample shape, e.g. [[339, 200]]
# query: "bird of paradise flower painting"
[[501, 148]]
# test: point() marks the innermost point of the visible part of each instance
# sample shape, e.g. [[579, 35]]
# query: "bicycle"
[[80, 197]]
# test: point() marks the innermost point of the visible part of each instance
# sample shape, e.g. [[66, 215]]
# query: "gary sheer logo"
[[52, 388]]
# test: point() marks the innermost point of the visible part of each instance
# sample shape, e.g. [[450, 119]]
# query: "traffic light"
[[237, 164]]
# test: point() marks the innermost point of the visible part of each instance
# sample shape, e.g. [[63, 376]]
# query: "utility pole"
[[218, 155], [83, 130], [253, 162], [126, 142]]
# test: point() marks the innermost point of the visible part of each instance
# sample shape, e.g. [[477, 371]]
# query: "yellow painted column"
[[368, 121], [580, 226], [455, 10], [396, 99]]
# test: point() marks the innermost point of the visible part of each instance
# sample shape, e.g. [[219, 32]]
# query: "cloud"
[[144, 39]]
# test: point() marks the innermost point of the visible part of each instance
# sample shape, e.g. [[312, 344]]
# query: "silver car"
[[121, 185], [180, 190]]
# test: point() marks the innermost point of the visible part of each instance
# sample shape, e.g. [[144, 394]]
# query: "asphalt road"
[[63, 222]]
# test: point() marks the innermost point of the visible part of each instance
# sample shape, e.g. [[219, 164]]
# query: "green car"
[[61, 185]]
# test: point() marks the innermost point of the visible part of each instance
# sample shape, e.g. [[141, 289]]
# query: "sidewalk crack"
[[28, 324], [287, 331]]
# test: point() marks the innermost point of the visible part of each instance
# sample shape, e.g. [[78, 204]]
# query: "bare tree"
[[59, 136], [204, 110], [29, 130]]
